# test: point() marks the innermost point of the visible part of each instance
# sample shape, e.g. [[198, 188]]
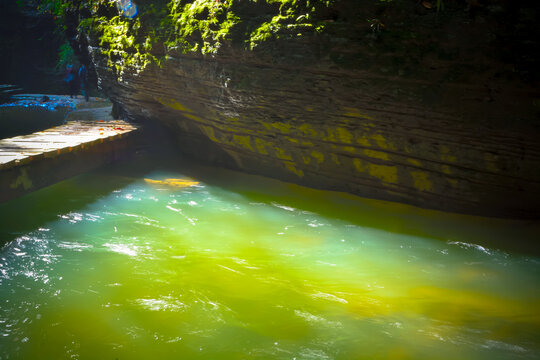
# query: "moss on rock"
[[194, 27]]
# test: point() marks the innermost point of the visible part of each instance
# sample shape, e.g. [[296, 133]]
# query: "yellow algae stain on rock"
[[173, 104], [414, 162], [330, 136], [194, 117], [445, 154], [23, 180], [319, 156], [209, 131], [363, 140], [293, 140], [359, 165], [284, 128], [376, 154], [350, 149], [307, 159], [261, 145], [243, 140], [421, 181], [173, 182], [382, 142], [281, 154], [446, 169], [307, 130], [344, 135], [309, 108], [291, 167], [353, 112], [335, 159], [267, 126], [385, 173]]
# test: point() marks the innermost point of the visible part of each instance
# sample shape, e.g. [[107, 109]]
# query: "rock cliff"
[[388, 100]]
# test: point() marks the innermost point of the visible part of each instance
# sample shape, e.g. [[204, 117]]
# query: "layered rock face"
[[432, 131]]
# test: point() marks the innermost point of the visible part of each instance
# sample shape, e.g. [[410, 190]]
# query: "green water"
[[110, 266]]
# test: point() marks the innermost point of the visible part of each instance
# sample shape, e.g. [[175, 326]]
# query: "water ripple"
[[163, 303], [129, 250]]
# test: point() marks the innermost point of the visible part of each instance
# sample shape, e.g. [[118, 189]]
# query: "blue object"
[[130, 11], [128, 8], [53, 103]]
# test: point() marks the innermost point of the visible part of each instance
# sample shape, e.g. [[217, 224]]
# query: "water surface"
[[116, 265]]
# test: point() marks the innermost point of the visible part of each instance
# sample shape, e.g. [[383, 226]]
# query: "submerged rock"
[[393, 101]]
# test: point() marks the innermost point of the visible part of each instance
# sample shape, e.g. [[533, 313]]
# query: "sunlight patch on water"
[[122, 249], [165, 303]]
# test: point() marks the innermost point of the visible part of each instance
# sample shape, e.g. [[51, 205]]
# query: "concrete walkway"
[[90, 138]]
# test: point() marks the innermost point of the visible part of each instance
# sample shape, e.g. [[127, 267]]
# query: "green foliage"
[[118, 43], [201, 25], [264, 32], [66, 56], [295, 18], [189, 26], [55, 7]]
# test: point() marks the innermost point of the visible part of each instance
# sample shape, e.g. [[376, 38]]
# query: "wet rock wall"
[[373, 136], [438, 110]]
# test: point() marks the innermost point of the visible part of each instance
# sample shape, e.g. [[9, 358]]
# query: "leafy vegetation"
[[206, 27], [65, 56], [187, 26]]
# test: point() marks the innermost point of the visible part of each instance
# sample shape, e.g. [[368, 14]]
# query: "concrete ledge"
[[31, 162]]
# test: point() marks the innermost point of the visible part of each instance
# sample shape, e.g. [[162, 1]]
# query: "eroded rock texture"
[[448, 128]]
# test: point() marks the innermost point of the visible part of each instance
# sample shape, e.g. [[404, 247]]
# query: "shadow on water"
[[32, 211], [504, 234]]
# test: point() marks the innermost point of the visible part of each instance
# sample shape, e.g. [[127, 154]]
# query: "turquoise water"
[[195, 263]]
